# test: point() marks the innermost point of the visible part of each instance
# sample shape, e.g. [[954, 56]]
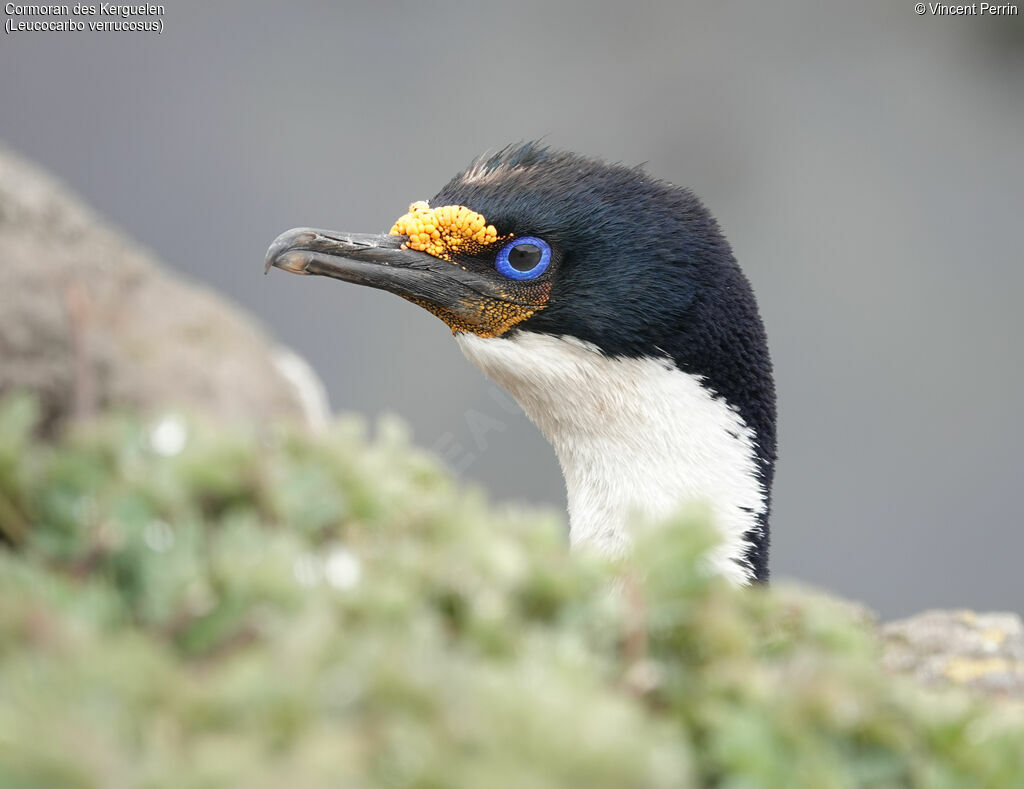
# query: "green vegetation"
[[244, 608]]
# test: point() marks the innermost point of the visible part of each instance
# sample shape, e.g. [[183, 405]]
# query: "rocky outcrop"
[[89, 321], [984, 652]]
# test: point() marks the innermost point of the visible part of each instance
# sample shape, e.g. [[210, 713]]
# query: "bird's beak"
[[465, 300]]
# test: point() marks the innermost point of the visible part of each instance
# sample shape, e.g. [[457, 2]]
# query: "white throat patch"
[[632, 436]]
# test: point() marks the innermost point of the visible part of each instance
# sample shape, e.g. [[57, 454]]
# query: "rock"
[[984, 652], [89, 321]]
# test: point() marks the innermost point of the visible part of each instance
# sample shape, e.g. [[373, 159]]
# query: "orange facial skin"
[[453, 231], [446, 231]]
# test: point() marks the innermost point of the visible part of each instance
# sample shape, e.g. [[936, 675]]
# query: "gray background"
[[865, 162]]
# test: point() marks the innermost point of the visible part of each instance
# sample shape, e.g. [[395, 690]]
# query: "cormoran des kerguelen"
[[609, 304]]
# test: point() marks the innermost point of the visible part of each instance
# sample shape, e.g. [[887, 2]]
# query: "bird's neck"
[[634, 436]]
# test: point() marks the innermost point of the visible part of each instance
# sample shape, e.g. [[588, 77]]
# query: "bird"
[[609, 304]]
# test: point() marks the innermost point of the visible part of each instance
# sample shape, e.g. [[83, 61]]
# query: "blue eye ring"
[[506, 269]]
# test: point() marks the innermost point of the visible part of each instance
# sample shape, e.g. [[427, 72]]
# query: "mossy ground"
[[186, 605]]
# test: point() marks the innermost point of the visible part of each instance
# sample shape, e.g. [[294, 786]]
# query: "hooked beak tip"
[[286, 251]]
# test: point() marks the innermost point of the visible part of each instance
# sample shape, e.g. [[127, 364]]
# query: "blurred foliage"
[[199, 606]]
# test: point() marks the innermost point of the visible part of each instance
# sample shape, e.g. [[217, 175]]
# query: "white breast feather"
[[633, 436]]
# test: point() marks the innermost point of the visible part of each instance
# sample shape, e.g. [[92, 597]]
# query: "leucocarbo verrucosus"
[[609, 304]]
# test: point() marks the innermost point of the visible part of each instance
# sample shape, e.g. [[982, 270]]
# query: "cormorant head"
[[548, 252]]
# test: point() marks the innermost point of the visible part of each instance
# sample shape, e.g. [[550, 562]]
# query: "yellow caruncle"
[[445, 231]]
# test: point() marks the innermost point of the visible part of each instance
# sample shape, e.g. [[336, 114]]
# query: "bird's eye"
[[524, 258]]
